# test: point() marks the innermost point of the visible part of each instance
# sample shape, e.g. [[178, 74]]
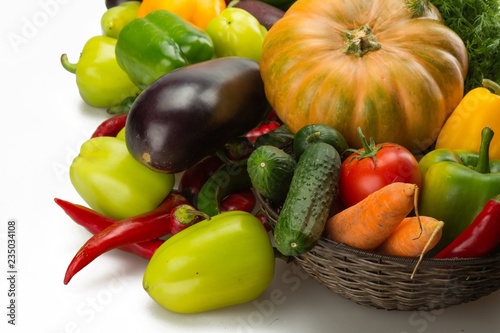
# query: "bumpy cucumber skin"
[[306, 208], [273, 179]]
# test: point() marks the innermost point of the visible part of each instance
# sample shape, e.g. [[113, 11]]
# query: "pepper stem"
[[491, 85], [360, 41], [69, 66], [483, 164]]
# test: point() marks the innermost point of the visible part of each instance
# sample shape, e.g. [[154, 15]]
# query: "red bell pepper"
[[480, 238]]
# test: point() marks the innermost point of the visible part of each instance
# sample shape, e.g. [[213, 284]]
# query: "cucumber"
[[306, 208], [318, 133], [271, 170]]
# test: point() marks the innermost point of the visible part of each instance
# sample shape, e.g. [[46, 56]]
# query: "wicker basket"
[[384, 282]]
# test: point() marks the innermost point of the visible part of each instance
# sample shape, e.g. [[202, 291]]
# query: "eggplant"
[[191, 112], [113, 3], [265, 13]]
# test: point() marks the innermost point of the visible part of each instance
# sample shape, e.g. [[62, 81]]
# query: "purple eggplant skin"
[[191, 112], [265, 13], [112, 3]]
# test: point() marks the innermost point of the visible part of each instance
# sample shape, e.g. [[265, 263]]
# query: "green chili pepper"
[[100, 80], [456, 185], [227, 179], [162, 41], [113, 183], [215, 263], [115, 18]]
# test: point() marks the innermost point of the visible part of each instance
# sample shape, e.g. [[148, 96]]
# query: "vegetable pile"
[[214, 104]]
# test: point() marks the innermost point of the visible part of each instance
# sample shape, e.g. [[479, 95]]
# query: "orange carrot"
[[369, 222], [414, 236]]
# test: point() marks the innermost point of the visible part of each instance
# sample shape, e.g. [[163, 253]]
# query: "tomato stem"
[[368, 150]]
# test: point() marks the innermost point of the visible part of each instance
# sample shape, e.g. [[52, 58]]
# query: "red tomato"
[[373, 167]]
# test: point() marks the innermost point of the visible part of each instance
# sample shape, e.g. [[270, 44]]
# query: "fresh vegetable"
[[113, 3], [198, 12], [414, 236], [374, 166], [144, 227], [236, 150], [113, 183], [369, 222], [114, 19], [266, 14], [95, 223], [150, 47], [373, 65], [271, 171], [305, 211], [236, 32], [261, 129], [312, 133], [122, 107], [480, 238], [192, 112], [192, 179], [184, 216], [242, 200], [110, 126], [477, 22], [227, 179], [282, 4], [215, 263], [478, 109], [280, 137], [455, 191], [100, 80]]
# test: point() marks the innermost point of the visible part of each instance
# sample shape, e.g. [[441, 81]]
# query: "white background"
[[43, 124]]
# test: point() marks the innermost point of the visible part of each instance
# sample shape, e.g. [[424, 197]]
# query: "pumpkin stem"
[[359, 42]]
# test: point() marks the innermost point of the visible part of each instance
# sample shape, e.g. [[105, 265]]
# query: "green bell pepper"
[[215, 263], [456, 185], [152, 46], [236, 32], [100, 80], [113, 183], [115, 18]]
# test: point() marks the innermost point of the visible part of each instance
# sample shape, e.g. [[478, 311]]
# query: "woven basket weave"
[[384, 282]]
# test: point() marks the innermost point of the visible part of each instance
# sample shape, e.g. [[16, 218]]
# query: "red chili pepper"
[[263, 128], [95, 223], [111, 126], [192, 179], [243, 200], [480, 238], [184, 216], [137, 229]]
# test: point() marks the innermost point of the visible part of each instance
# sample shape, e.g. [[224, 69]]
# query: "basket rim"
[[273, 214]]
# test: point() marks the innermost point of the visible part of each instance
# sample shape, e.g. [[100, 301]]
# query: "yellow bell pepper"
[[478, 109], [198, 12]]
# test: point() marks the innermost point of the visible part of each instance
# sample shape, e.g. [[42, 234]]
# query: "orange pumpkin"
[[366, 63]]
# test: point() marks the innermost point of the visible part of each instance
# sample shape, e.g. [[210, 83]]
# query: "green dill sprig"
[[477, 22]]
